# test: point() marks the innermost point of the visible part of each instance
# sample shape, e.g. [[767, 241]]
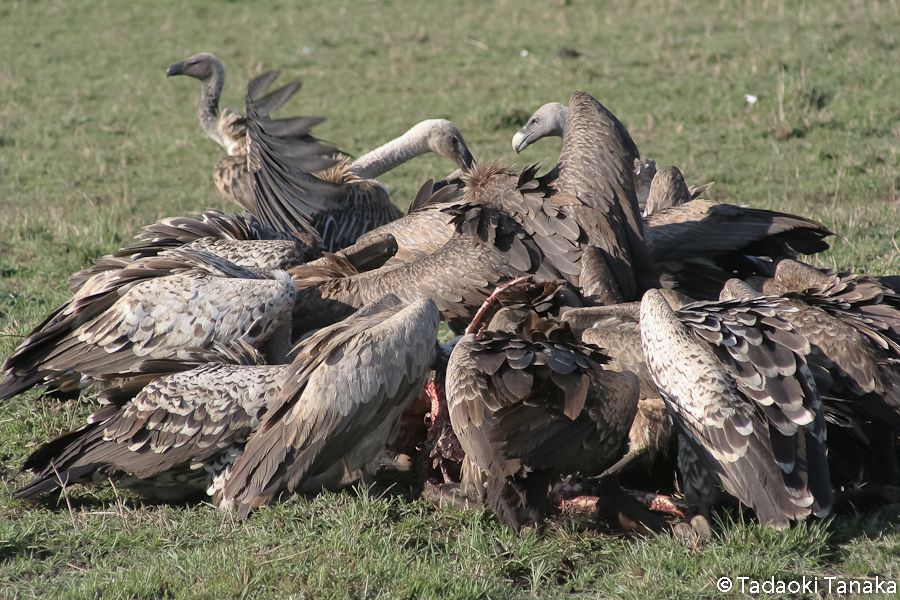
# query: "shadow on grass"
[[871, 524], [28, 547]]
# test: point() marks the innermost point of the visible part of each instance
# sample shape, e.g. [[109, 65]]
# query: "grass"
[[95, 143]]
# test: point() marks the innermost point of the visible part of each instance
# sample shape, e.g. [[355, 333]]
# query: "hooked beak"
[[176, 69], [466, 161], [520, 140]]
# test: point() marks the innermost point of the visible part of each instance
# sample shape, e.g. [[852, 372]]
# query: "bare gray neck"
[[561, 116], [411, 144], [209, 103]]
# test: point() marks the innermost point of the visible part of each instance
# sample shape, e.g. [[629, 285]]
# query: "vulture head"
[[200, 66], [548, 120], [443, 138]]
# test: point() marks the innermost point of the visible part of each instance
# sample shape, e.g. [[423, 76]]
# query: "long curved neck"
[[411, 144], [209, 103]]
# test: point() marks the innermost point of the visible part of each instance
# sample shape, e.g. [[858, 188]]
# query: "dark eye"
[[535, 121]]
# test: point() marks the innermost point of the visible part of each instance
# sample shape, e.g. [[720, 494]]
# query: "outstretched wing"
[[704, 228], [283, 155]]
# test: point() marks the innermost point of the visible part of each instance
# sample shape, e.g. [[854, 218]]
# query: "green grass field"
[[95, 143]]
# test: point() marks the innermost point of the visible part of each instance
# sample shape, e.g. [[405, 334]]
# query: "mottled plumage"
[[242, 240], [170, 434], [335, 412], [570, 224], [737, 386], [533, 404], [851, 322], [152, 308], [700, 244], [620, 339], [175, 429]]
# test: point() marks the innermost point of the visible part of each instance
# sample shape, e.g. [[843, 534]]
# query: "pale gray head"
[[548, 120], [445, 139], [200, 66]]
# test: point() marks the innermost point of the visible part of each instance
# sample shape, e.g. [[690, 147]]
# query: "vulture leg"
[[624, 464]]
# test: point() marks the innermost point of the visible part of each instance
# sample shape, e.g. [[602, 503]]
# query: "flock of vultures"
[[614, 332]]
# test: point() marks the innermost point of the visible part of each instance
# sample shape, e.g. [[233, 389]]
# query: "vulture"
[[698, 243], [503, 311], [242, 176], [342, 204], [225, 127], [851, 323], [226, 424], [550, 121], [153, 307], [719, 221], [341, 197], [547, 121], [735, 380], [667, 188], [338, 405], [579, 223], [530, 405]]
